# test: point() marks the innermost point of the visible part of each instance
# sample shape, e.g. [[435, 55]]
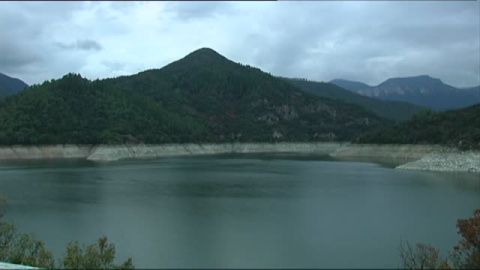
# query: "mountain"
[[473, 90], [459, 128], [203, 97], [394, 110], [421, 90], [351, 85], [10, 86]]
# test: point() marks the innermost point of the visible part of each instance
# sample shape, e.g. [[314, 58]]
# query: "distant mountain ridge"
[[421, 90], [10, 86], [203, 97], [473, 90], [351, 85], [394, 110]]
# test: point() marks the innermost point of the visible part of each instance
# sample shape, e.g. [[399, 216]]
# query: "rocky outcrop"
[[403, 153], [415, 157], [412, 157], [446, 160], [116, 152], [44, 152], [112, 152]]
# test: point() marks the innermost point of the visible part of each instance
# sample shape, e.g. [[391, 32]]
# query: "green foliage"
[[465, 255], [7, 234], [3, 203], [24, 249], [456, 128], [21, 248], [421, 256], [203, 97], [95, 256]]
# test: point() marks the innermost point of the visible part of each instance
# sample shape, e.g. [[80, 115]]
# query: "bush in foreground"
[[96, 256], [18, 248], [465, 255]]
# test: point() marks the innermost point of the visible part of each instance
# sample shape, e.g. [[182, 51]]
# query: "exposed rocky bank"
[[413, 157], [44, 151], [107, 152], [446, 160]]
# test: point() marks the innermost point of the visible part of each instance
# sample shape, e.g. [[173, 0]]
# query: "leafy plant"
[[465, 255], [421, 256], [18, 248], [95, 256]]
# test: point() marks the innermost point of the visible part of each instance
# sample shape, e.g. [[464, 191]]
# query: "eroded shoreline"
[[411, 157]]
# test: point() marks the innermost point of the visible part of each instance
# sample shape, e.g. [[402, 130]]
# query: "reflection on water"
[[239, 210]]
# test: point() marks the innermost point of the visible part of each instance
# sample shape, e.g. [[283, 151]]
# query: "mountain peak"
[[205, 53], [426, 78], [202, 98], [198, 58], [421, 79], [423, 90], [205, 50]]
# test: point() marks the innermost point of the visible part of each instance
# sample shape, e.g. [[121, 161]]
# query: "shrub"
[[465, 255], [25, 249]]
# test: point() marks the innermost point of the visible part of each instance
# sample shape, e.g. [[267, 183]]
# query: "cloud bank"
[[364, 41]]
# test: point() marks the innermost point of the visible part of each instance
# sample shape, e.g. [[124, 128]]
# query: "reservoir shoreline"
[[411, 157]]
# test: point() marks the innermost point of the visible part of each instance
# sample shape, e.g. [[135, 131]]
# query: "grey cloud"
[[16, 54], [88, 44], [113, 65], [66, 46], [24, 31], [85, 44], [198, 10], [11, 61], [372, 41], [365, 41]]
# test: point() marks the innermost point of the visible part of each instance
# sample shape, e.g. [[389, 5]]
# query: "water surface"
[[242, 211]]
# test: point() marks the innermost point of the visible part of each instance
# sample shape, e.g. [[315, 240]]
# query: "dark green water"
[[239, 211]]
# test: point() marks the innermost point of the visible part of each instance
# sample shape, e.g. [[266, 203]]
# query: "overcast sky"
[[364, 41]]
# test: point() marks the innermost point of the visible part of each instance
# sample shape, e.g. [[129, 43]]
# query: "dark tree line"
[[456, 128], [203, 97]]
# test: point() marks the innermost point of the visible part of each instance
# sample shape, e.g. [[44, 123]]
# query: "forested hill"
[[10, 86], [394, 110], [203, 97], [459, 128]]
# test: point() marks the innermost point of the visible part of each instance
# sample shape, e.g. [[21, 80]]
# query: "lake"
[[241, 211]]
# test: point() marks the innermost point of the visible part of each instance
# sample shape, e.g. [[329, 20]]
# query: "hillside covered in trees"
[[394, 110], [203, 97], [458, 128]]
